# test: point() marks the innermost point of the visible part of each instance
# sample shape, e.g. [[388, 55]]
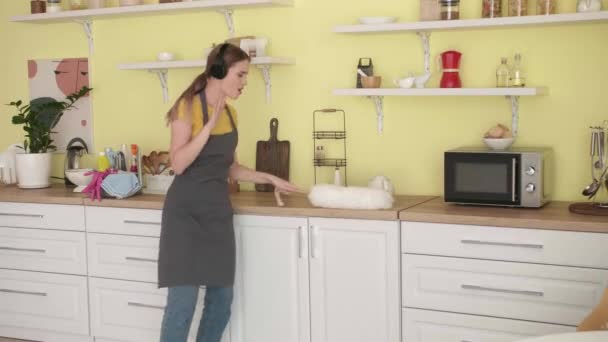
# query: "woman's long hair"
[[232, 55]]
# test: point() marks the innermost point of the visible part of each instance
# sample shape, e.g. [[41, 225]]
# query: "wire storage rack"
[[320, 158]]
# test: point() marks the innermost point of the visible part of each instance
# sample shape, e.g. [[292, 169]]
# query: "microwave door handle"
[[513, 169]]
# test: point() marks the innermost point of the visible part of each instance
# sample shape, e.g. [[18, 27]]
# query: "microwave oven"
[[518, 177]]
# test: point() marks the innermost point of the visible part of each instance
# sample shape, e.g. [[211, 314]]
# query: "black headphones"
[[218, 67]]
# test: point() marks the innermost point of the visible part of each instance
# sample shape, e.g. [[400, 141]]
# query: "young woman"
[[197, 244]]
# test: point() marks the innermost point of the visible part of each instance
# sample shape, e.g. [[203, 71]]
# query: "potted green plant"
[[38, 118]]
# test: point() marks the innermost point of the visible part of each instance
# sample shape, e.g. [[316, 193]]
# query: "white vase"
[[33, 170]]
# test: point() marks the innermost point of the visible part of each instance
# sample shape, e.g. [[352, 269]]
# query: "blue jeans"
[[180, 309]]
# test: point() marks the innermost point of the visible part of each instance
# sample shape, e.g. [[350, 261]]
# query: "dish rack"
[[318, 136]]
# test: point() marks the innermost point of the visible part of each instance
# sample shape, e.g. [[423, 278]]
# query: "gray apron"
[[197, 245]]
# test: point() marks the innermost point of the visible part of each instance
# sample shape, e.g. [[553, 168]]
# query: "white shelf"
[[446, 25], [139, 10], [161, 69], [199, 64], [85, 17], [442, 92], [377, 96]]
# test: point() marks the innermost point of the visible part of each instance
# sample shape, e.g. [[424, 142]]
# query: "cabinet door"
[[271, 301], [354, 280], [131, 311], [438, 326]]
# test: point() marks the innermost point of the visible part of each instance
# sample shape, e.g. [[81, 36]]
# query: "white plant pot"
[[33, 170]]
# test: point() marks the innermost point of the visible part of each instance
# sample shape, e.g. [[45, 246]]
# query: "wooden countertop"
[[56, 194], [298, 205], [255, 203], [554, 216]]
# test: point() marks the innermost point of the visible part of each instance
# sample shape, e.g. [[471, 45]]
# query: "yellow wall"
[[128, 107]]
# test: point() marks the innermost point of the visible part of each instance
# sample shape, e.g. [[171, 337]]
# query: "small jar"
[[450, 9], [518, 8], [319, 153], [37, 6], [545, 7], [77, 5], [53, 6], [491, 8], [95, 3]]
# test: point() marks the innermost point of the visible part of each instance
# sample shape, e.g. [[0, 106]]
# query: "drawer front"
[[48, 216], [123, 257], [509, 244], [435, 326], [43, 250], [542, 293], [44, 301], [130, 311], [143, 222]]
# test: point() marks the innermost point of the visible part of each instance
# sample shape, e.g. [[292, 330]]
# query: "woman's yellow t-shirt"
[[223, 125]]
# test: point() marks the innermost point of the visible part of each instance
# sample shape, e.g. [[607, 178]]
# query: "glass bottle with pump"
[[517, 78]]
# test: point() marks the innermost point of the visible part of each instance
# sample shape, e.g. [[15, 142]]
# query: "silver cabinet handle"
[[22, 249], [140, 305], [42, 294], [513, 178], [504, 244], [493, 289], [22, 215], [141, 222], [313, 241], [140, 259], [301, 238]]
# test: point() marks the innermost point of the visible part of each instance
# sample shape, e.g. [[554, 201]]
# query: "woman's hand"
[[282, 185], [218, 108]]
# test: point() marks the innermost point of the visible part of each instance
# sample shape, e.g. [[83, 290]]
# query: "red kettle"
[[450, 64]]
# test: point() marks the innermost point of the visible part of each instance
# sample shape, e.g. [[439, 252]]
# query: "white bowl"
[[498, 143], [77, 176], [165, 56], [376, 20]]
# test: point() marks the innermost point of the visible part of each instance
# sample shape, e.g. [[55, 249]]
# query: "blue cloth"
[[121, 185], [180, 310]]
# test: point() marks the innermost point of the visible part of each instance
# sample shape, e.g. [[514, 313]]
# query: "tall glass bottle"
[[517, 78], [502, 74]]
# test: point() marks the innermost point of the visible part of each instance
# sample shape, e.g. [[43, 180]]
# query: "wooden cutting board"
[[272, 156]]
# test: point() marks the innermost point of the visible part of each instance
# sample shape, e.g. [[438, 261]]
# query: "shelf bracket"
[[229, 21], [379, 104], [87, 25], [514, 114], [163, 77], [426, 47], [265, 69]]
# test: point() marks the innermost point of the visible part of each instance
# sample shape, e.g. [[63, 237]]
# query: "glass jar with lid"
[[450, 9], [518, 8], [491, 8], [37, 6], [53, 6], [544, 7], [78, 4]]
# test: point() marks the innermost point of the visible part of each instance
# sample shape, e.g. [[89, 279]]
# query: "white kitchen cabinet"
[[43, 250], [541, 293], [437, 326], [124, 221], [44, 301], [133, 311], [46, 216], [351, 267], [123, 257], [354, 280], [536, 246], [271, 301]]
